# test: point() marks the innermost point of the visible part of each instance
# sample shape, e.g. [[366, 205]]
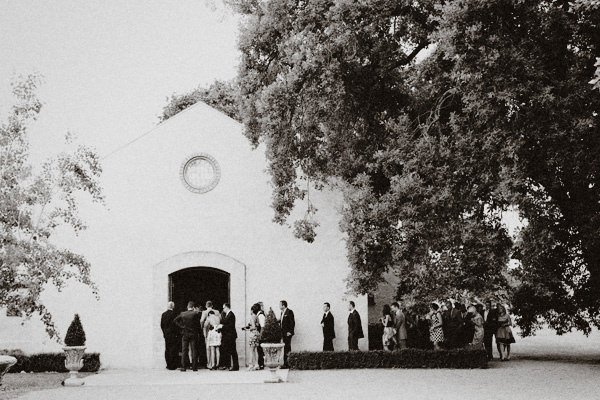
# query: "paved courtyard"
[[543, 367], [517, 379]]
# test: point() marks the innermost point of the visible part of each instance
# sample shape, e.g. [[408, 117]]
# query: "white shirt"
[[261, 320]]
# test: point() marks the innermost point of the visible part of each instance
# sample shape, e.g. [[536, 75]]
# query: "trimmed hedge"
[[407, 358], [49, 362]]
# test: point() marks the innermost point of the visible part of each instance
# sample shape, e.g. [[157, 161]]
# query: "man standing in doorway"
[[169, 330], [355, 330], [327, 323], [189, 322], [288, 324], [400, 325], [229, 334]]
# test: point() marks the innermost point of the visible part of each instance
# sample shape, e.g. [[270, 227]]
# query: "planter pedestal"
[[74, 362], [273, 360], [5, 363]]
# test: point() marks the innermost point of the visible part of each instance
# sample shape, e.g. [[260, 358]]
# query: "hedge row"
[[49, 362], [407, 358]]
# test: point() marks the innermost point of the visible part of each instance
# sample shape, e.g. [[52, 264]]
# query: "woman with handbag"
[[504, 335]]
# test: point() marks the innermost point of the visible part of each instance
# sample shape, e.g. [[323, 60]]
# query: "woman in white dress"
[[214, 340]]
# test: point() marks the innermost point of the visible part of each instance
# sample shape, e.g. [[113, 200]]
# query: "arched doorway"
[[199, 284], [191, 274]]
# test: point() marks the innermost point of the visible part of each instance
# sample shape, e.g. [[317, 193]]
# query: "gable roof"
[[198, 104]]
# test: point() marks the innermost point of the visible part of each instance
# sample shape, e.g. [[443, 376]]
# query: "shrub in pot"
[[6, 362], [270, 341], [74, 350]]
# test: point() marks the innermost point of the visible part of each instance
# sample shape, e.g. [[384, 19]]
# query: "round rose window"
[[200, 173]]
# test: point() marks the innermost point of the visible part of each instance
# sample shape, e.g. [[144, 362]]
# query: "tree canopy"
[[431, 151], [221, 95], [33, 205]]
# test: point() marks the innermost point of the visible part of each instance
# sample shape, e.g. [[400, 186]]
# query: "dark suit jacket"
[[166, 323], [287, 322], [491, 322], [355, 325], [452, 320], [189, 322], [328, 326], [228, 322]]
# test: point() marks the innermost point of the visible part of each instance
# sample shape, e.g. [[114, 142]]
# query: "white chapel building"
[[188, 217]]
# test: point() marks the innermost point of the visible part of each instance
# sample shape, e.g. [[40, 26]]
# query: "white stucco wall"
[[152, 221]]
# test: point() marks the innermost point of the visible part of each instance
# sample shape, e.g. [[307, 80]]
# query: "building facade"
[[188, 217]]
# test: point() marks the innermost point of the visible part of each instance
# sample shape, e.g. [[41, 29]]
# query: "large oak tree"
[[430, 155]]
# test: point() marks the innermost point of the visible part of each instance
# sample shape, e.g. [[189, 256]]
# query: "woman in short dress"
[[389, 332], [253, 329], [214, 340], [477, 324], [504, 335], [436, 333]]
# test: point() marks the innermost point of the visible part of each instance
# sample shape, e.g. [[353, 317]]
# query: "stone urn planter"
[[74, 350], [5, 363], [270, 341], [273, 360], [74, 362]]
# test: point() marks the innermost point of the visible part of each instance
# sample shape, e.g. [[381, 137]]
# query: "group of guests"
[[200, 336], [451, 325], [203, 336]]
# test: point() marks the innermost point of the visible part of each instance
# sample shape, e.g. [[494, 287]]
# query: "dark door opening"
[[198, 284]]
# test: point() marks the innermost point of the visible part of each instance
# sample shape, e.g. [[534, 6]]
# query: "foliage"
[[220, 95], [75, 334], [271, 332], [49, 362], [407, 358], [33, 205], [497, 117]]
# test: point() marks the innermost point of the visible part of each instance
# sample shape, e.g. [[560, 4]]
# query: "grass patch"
[[15, 385]]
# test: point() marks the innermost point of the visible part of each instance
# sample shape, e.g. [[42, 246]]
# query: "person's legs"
[[261, 357], [287, 348], [255, 357], [225, 358], [210, 362], [234, 355], [217, 359], [402, 344], [508, 351], [498, 345], [185, 347], [352, 343], [487, 343], [167, 353]]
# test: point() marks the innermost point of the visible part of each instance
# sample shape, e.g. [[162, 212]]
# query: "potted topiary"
[[6, 362], [270, 341], [74, 349]]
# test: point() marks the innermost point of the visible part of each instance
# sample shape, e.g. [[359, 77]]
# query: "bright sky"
[[109, 65]]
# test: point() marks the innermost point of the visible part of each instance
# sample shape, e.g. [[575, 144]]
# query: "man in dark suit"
[[451, 322], [327, 322], [355, 330], [228, 336], [288, 323], [169, 330], [490, 326], [261, 323], [189, 322]]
